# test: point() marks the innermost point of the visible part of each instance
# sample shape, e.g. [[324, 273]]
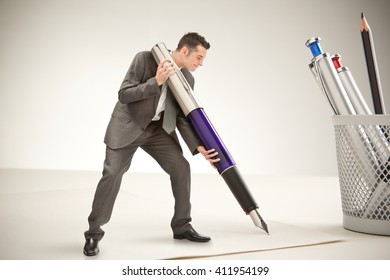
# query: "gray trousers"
[[167, 152]]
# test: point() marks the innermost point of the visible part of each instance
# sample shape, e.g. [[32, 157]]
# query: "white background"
[[62, 62]]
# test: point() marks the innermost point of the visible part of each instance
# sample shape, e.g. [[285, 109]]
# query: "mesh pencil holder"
[[363, 152]]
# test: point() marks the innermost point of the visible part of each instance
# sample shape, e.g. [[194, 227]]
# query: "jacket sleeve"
[[134, 86], [188, 134]]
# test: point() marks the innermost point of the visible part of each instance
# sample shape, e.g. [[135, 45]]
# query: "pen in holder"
[[326, 75], [363, 150], [374, 139]]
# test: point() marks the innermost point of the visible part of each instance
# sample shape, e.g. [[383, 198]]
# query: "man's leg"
[[117, 162], [168, 153]]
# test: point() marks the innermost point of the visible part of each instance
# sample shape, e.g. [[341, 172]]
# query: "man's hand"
[[164, 70], [208, 155]]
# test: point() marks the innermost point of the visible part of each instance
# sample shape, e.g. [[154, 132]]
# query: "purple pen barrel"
[[210, 139], [226, 166]]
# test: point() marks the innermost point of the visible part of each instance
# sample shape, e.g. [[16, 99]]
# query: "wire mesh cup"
[[363, 153]]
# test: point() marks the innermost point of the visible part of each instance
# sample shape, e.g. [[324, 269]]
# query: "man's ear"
[[185, 51]]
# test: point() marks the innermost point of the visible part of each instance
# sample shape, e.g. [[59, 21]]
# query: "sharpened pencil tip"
[[362, 15]]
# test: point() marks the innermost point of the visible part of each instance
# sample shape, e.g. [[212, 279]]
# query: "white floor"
[[43, 216]]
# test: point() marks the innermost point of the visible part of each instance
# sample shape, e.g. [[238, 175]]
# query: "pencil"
[[372, 67]]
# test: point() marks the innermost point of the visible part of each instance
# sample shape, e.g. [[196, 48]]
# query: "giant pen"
[[227, 168]]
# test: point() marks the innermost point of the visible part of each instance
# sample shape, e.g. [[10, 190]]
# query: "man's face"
[[192, 60]]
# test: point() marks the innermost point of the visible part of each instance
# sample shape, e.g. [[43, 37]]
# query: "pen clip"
[[320, 80]]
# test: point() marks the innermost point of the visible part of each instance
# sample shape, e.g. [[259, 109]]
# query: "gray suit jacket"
[[138, 99]]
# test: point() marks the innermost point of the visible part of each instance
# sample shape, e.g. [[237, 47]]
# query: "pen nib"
[[258, 220]]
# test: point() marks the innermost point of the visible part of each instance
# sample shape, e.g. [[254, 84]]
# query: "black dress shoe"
[[91, 247], [192, 235]]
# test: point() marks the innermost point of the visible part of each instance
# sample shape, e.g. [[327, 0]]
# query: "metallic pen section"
[[329, 81], [210, 139], [350, 86], [258, 220], [177, 83], [353, 91], [328, 97]]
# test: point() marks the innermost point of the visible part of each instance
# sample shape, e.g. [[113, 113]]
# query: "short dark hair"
[[191, 40]]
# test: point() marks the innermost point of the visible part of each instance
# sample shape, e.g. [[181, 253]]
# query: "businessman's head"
[[191, 51]]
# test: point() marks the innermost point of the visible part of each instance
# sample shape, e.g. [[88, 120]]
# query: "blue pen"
[[326, 75], [314, 45]]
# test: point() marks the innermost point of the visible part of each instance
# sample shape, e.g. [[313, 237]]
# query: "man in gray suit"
[[138, 122]]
